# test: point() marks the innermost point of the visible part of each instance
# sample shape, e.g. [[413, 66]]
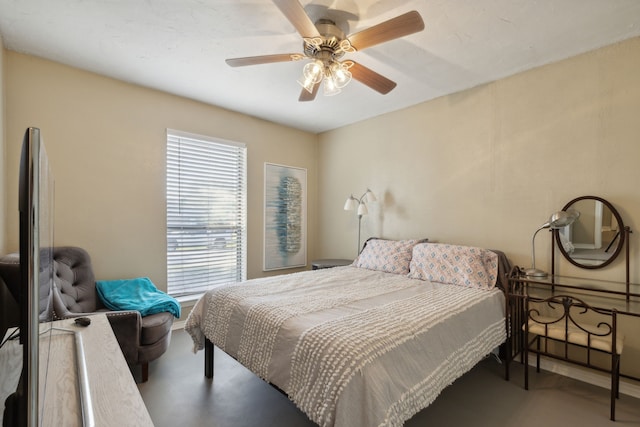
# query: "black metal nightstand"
[[329, 263]]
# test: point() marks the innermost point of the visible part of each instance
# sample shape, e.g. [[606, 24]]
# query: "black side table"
[[329, 263]]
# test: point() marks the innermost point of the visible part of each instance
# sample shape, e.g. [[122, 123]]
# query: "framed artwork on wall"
[[285, 217]]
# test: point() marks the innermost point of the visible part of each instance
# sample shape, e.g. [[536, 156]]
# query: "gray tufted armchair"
[[142, 339]]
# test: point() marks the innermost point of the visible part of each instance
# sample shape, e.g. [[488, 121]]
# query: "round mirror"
[[596, 238]]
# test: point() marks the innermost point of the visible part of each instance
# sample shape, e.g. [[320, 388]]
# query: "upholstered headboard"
[[504, 267]]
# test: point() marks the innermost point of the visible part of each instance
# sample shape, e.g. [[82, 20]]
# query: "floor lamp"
[[557, 220], [361, 205]]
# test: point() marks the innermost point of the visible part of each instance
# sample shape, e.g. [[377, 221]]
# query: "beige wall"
[[487, 166], [106, 143], [482, 167]]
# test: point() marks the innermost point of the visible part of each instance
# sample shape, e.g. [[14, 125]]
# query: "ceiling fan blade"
[[295, 13], [400, 26], [306, 96], [264, 59], [372, 79]]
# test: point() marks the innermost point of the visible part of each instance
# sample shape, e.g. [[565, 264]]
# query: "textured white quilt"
[[352, 347]]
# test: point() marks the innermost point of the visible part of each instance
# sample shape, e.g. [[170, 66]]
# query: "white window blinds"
[[206, 213]]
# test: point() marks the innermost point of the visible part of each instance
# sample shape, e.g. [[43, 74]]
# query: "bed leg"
[[208, 359]]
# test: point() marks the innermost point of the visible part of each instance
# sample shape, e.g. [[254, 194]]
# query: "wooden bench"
[[573, 323]]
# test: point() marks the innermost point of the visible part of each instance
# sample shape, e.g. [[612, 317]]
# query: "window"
[[206, 213]]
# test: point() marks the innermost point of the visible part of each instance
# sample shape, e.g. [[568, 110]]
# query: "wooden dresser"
[[114, 396]]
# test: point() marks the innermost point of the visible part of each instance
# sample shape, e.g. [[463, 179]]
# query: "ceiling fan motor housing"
[[328, 45]]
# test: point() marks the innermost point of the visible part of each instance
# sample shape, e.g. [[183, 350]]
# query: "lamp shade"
[[557, 220], [362, 209], [369, 196], [562, 219], [350, 204]]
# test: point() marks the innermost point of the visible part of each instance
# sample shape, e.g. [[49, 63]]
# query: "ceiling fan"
[[324, 43]]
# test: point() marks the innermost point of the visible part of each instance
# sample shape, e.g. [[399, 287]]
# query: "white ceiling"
[[179, 46]]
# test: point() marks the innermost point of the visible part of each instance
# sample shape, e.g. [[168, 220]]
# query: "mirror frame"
[[619, 246]]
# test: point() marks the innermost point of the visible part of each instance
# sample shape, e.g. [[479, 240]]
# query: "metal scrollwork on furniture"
[[580, 324]]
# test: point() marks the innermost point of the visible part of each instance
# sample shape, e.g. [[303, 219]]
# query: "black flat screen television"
[[34, 296]]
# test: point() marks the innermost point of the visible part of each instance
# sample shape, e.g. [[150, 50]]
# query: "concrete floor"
[[178, 394]]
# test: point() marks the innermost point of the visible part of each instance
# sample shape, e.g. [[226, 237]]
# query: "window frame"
[[204, 236]]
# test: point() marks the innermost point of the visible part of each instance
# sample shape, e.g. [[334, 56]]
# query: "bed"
[[370, 344]]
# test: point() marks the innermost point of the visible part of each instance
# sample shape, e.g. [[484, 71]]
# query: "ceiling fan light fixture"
[[325, 44]]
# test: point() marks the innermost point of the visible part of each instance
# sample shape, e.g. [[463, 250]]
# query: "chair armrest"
[[127, 326]]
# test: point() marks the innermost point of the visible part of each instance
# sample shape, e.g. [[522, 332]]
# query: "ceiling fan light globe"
[[329, 87], [341, 74], [306, 84], [313, 71], [343, 78]]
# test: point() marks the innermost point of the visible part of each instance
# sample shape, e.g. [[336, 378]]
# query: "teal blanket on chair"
[[136, 294]]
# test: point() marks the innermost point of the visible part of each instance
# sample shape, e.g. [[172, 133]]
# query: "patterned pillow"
[[391, 256], [456, 265]]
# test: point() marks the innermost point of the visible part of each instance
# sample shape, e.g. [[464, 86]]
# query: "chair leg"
[[145, 371], [525, 356], [615, 383], [538, 352], [613, 398], [618, 379]]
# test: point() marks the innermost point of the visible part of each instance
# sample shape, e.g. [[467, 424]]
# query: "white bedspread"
[[352, 347]]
